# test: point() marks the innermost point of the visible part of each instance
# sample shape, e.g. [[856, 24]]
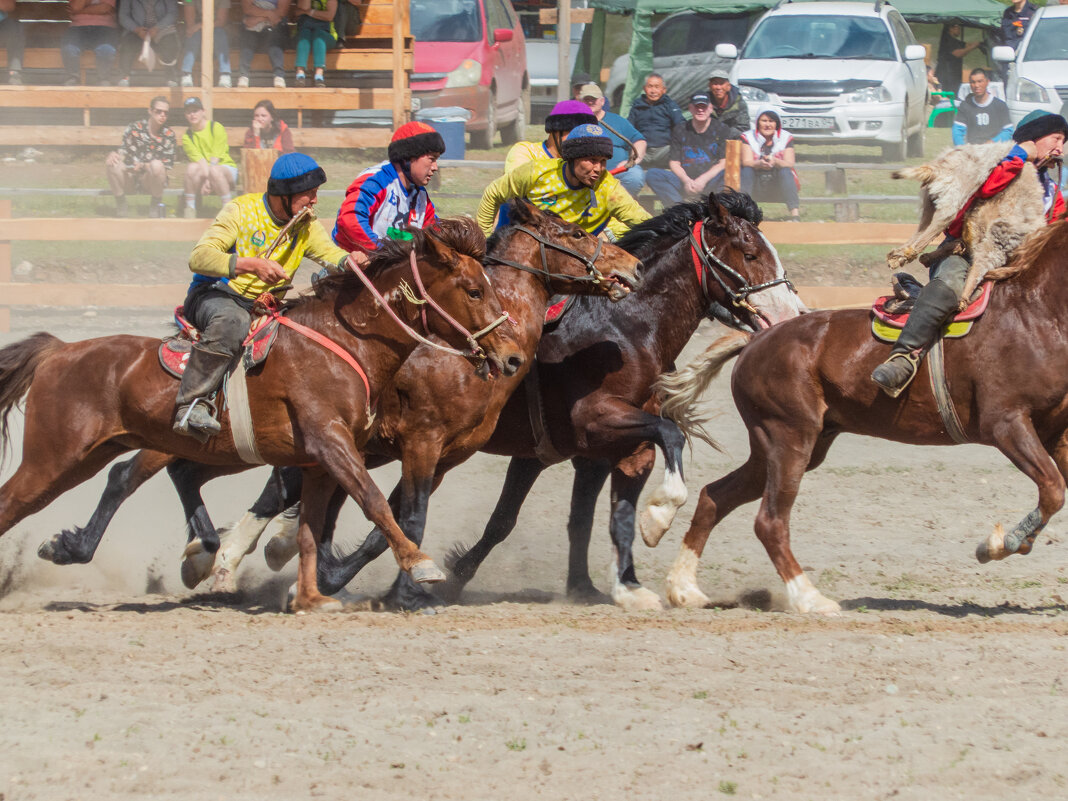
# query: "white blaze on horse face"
[[779, 302], [802, 596]]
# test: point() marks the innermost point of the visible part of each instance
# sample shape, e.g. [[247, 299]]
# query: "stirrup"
[[893, 390], [182, 426]]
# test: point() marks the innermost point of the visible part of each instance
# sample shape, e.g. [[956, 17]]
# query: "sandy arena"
[[942, 679]]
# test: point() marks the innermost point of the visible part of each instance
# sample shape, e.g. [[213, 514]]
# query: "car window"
[[446, 21], [1049, 40], [902, 33], [821, 36], [697, 33], [498, 15], [530, 19]]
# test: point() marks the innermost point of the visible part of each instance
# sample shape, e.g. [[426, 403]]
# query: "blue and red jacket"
[[1000, 177], [377, 201]]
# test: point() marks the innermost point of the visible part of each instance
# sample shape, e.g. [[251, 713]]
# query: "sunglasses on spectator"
[[162, 111]]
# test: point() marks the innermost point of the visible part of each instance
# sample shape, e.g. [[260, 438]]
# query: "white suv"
[[1038, 71], [837, 73]]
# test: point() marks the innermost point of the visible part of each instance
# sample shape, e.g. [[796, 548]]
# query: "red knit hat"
[[415, 139]]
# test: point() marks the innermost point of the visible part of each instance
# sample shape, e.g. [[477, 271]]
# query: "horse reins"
[[593, 276], [739, 298]]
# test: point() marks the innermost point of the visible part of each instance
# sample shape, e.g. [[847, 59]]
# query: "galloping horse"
[[801, 384], [596, 369], [87, 402], [432, 418]]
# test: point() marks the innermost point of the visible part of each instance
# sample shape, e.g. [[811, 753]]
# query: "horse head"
[[743, 275], [449, 257], [564, 255]]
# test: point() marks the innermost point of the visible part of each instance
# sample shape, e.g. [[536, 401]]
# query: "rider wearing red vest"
[[1039, 135]]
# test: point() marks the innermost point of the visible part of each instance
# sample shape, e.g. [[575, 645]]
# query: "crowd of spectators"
[[164, 41]]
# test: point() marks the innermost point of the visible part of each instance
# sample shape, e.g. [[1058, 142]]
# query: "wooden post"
[[207, 56], [401, 26], [563, 46], [5, 266], [256, 167], [732, 172]]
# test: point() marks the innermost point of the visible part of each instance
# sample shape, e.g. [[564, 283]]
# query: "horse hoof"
[[426, 572], [687, 597], [197, 564], [636, 599], [655, 521], [993, 547], [278, 551], [820, 605], [223, 580], [47, 550], [323, 604]]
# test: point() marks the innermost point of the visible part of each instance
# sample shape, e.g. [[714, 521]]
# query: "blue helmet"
[[293, 173]]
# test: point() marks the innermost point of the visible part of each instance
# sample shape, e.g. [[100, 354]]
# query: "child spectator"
[[315, 32], [268, 130], [93, 26], [211, 170], [221, 40]]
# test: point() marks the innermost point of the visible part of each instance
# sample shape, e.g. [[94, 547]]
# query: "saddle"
[[557, 308], [890, 313], [174, 351]]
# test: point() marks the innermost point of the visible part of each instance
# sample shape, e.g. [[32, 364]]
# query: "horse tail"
[[679, 391], [922, 173], [18, 363]]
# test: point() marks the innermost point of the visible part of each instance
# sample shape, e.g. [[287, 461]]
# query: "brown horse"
[[87, 402], [802, 383], [432, 418]]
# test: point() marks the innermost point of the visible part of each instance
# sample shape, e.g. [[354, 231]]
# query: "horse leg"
[[1016, 438], [669, 497], [202, 541], [78, 545], [317, 488], [627, 484], [282, 545], [405, 595], [590, 477], [518, 481]]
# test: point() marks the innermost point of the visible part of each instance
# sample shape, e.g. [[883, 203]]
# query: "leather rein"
[[593, 275], [739, 298]]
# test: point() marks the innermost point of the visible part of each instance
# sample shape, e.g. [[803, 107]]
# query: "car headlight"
[[750, 94], [1030, 92], [469, 73], [871, 94]]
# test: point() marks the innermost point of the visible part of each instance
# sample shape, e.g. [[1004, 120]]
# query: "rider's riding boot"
[[936, 303], [203, 373]]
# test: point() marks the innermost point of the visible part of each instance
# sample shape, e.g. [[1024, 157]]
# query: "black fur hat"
[[587, 141], [415, 139], [1038, 124]]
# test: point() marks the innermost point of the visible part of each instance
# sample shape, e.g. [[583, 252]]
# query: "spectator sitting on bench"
[[268, 130], [210, 170], [265, 27], [155, 20], [11, 39], [315, 32], [93, 26], [142, 161], [347, 20], [981, 117], [628, 145], [654, 114], [194, 11], [768, 163]]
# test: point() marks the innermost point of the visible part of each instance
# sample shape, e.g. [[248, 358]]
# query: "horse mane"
[[1027, 254], [677, 220]]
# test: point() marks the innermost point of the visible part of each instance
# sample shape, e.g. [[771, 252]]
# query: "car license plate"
[[810, 123]]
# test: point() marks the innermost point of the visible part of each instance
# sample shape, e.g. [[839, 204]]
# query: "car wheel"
[[515, 130], [483, 140], [915, 145]]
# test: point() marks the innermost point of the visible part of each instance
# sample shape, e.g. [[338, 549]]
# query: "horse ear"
[[523, 211], [435, 249], [717, 211]]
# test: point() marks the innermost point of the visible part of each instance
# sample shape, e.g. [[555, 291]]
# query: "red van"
[[472, 54]]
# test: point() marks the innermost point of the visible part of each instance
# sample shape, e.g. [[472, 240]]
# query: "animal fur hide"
[[993, 228]]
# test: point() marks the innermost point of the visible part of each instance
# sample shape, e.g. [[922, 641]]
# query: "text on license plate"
[[798, 123]]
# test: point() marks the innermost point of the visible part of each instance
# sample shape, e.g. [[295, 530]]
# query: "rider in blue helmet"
[[240, 257]]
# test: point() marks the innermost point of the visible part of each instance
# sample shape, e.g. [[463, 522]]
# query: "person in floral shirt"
[[141, 164]]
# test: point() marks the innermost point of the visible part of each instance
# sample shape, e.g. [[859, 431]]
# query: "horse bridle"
[[739, 298], [593, 275]]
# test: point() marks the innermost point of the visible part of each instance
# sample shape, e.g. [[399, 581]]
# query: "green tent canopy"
[[974, 13]]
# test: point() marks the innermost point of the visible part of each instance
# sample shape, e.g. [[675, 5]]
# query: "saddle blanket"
[[558, 306], [887, 326], [174, 351]]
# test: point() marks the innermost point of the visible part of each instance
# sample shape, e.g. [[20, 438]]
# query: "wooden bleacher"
[[370, 73]]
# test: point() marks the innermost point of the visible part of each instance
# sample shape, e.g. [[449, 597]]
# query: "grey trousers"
[[222, 316]]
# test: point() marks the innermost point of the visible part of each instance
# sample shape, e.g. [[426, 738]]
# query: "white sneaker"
[[124, 82], [187, 80], [189, 212], [224, 81], [242, 82], [279, 82]]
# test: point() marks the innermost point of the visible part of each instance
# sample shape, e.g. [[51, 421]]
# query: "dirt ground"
[[942, 679]]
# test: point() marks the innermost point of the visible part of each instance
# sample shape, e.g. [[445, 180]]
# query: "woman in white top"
[[768, 163]]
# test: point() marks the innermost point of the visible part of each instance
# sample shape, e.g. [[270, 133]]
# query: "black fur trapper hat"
[[414, 139], [587, 141]]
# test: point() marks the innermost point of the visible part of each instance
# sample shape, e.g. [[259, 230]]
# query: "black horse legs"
[[590, 477]]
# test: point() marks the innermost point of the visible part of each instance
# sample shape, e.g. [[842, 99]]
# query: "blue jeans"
[[222, 51], [771, 185], [667, 186], [633, 179], [98, 38], [274, 40]]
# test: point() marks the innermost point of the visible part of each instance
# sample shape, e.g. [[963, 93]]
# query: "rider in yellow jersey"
[[564, 117], [231, 269], [577, 186]]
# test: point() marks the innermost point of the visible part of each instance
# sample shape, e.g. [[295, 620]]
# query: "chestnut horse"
[[801, 384], [596, 369], [442, 420], [87, 402]]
